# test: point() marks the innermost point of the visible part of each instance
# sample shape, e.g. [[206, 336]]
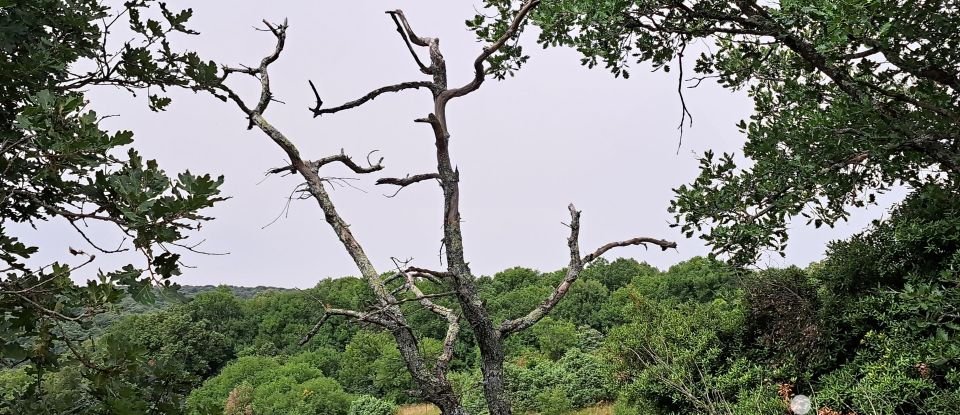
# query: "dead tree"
[[460, 283]]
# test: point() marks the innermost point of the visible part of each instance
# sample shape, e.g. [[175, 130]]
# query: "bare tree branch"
[[317, 111], [573, 273], [388, 315], [356, 315], [453, 320], [397, 15], [663, 244], [401, 183]]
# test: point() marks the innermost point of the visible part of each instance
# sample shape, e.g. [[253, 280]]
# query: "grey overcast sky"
[[555, 134]]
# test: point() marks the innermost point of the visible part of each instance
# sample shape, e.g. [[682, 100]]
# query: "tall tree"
[[851, 98], [408, 284], [59, 164]]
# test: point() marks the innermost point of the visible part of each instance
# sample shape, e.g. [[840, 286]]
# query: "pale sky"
[[526, 147]]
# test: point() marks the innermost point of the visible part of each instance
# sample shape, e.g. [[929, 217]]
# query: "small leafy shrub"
[[759, 400], [467, 385], [675, 357], [369, 405], [585, 378], [555, 337], [553, 401], [269, 387]]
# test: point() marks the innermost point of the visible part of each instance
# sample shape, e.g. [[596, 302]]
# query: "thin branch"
[[406, 181], [663, 244], [684, 111], [317, 111], [573, 272], [339, 158], [400, 29], [859, 55], [347, 161], [94, 245], [369, 317]]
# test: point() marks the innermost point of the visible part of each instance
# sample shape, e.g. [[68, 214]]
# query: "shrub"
[[266, 386], [698, 279], [467, 385], [286, 396], [369, 405], [782, 319], [240, 401], [585, 378], [553, 401], [526, 380], [759, 400], [555, 337], [371, 364], [678, 356]]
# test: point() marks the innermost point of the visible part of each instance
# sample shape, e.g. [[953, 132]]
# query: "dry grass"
[[427, 409], [423, 409], [604, 409]]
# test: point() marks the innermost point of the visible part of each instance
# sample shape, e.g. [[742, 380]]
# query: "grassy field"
[[427, 409]]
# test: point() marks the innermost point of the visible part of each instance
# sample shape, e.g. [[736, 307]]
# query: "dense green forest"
[[850, 100], [872, 329]]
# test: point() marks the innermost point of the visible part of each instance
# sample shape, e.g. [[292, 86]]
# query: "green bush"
[[679, 356], [585, 378], [759, 400], [368, 405], [294, 387], [371, 364], [555, 337], [553, 401], [468, 387], [286, 396], [698, 279]]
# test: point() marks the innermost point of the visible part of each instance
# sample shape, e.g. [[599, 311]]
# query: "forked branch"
[[453, 320], [339, 158], [574, 268], [403, 28], [318, 111], [355, 315]]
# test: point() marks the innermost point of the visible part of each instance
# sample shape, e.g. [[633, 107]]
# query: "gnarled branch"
[[663, 244], [453, 320], [407, 34], [574, 268]]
